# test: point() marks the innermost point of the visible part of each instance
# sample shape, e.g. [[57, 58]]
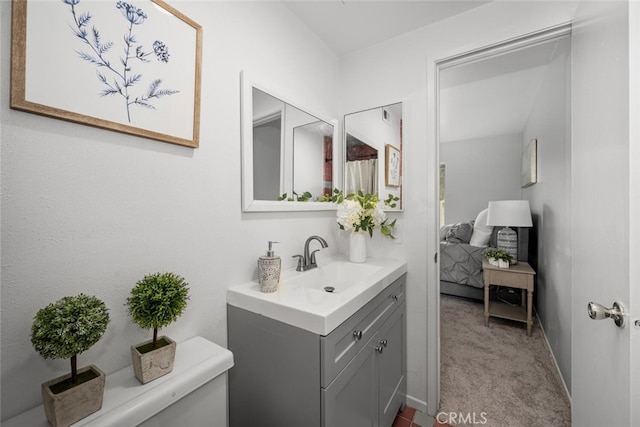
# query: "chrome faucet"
[[308, 260]]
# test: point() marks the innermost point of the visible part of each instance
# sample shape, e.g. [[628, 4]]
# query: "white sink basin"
[[301, 299], [337, 276]]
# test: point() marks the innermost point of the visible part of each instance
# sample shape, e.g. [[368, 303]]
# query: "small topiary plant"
[[157, 301], [68, 327], [498, 254]]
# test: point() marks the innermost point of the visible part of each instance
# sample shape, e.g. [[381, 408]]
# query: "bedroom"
[[490, 111]]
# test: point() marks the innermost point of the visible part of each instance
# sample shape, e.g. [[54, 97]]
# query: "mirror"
[[287, 153], [373, 152]]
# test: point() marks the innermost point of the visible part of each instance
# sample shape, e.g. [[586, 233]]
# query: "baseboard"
[[417, 404], [553, 356]]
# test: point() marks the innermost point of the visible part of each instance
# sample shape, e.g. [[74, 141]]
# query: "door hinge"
[[435, 258]]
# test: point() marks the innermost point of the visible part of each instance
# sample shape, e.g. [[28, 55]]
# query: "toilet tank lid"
[[197, 362], [128, 402]]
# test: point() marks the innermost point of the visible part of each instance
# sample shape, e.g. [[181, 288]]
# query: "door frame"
[[449, 59]]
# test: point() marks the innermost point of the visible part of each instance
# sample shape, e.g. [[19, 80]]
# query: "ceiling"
[[484, 98], [494, 96], [348, 25]]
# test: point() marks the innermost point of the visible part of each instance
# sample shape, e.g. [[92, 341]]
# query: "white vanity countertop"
[[301, 300]]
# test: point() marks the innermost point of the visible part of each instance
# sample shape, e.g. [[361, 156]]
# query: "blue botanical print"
[[120, 79]]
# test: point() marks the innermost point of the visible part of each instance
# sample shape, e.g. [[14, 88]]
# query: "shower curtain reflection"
[[362, 175]]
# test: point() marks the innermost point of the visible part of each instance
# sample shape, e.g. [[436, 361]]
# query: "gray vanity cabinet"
[[371, 389], [391, 356], [286, 376], [351, 400]]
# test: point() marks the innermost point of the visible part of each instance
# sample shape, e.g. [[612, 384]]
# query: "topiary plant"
[[504, 255], [157, 301], [68, 327]]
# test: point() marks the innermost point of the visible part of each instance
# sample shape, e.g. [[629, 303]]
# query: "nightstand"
[[518, 276]]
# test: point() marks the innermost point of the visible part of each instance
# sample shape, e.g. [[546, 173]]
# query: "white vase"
[[358, 246]]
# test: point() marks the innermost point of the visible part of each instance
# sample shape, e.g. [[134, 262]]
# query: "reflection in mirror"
[[373, 151], [313, 158], [287, 154], [361, 168], [267, 143]]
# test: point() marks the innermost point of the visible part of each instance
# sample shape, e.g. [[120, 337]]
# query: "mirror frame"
[[247, 83]]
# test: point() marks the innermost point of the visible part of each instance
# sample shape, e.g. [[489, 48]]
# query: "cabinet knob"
[[394, 297], [357, 335], [379, 349], [383, 343]]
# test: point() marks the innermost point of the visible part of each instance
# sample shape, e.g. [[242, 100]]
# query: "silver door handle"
[[598, 312]]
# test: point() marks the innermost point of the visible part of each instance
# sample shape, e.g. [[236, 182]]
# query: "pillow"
[[481, 231], [460, 232], [444, 230]]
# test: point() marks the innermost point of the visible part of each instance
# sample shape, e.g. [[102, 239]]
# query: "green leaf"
[[69, 326], [158, 300]]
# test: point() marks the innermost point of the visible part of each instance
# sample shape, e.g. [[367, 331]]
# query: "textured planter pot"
[[153, 364], [70, 406], [493, 261], [503, 264]]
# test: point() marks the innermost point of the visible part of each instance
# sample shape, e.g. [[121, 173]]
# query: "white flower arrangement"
[[361, 212]]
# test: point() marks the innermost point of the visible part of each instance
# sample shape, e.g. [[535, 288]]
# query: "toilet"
[[193, 394]]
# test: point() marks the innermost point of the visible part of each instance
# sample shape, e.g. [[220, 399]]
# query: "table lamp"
[[509, 213]]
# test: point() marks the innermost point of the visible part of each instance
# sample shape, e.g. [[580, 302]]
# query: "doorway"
[[490, 104]]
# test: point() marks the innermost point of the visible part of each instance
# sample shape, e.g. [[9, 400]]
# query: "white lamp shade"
[[509, 213]]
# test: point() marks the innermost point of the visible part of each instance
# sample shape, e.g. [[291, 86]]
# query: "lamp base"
[[508, 241]]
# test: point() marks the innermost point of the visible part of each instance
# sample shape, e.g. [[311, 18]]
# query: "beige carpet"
[[498, 374]]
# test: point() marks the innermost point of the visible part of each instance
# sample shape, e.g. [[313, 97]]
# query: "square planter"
[[72, 405], [503, 264], [155, 363]]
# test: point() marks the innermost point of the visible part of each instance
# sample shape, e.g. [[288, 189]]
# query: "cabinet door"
[[391, 355], [351, 399], [344, 342]]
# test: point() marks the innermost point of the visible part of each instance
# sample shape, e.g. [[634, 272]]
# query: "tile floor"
[[410, 417]]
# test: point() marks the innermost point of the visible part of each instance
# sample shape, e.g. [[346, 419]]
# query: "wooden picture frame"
[[108, 64], [530, 164], [392, 174]]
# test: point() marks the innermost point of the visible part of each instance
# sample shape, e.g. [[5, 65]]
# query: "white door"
[[605, 206]]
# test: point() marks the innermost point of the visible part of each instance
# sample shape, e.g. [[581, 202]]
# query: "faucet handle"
[[312, 258], [299, 267]]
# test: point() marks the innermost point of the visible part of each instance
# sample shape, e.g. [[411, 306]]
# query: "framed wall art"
[[392, 166], [530, 164], [128, 67]]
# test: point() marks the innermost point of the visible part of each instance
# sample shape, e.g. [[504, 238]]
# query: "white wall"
[[478, 171], [93, 211], [403, 69], [550, 201]]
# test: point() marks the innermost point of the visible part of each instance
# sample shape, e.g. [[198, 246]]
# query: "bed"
[[462, 247]]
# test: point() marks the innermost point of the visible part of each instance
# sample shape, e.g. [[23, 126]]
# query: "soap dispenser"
[[269, 270]]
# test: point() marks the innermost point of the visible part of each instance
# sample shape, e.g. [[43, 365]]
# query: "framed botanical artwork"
[[392, 166], [128, 67], [530, 164]]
